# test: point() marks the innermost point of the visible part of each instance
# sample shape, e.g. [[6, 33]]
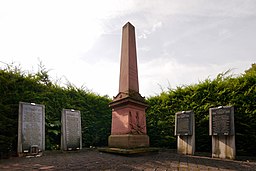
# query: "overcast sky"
[[179, 42]]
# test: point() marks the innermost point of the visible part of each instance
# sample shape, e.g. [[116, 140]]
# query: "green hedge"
[[16, 86], [239, 92]]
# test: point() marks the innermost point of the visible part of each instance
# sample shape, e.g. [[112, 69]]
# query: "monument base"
[[128, 141], [186, 144], [223, 147], [133, 151]]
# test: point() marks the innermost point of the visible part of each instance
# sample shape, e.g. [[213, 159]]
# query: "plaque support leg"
[[223, 147], [186, 144]]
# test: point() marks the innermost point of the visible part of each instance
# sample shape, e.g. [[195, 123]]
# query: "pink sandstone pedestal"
[[128, 107]]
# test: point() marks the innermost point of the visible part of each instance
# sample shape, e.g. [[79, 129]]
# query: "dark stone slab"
[[221, 120], [184, 123], [31, 129], [71, 138]]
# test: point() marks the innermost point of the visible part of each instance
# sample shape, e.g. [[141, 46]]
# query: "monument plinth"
[[128, 107]]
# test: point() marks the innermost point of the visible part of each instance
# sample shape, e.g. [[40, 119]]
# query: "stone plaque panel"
[[222, 120], [31, 128], [71, 130], [184, 123]]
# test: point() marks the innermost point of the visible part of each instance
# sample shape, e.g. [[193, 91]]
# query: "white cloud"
[[162, 73], [101, 77], [214, 35], [154, 28]]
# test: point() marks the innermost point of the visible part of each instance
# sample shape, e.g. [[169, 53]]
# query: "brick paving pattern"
[[87, 159]]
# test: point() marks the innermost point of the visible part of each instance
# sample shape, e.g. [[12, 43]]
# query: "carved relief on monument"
[[137, 122]]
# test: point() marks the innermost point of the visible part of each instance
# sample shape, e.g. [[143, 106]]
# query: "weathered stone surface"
[[31, 128], [128, 128], [132, 151], [185, 131], [128, 119], [222, 129], [128, 71], [224, 147], [221, 121], [128, 141], [184, 123], [71, 137], [186, 144], [88, 159], [128, 80]]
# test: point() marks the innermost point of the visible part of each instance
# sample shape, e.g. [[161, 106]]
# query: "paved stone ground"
[[87, 159]]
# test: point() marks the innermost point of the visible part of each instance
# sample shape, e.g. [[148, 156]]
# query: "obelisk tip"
[[128, 24]]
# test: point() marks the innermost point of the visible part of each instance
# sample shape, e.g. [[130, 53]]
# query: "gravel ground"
[[91, 159]]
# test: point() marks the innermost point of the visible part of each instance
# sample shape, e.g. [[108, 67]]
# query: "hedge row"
[[240, 92], [15, 86]]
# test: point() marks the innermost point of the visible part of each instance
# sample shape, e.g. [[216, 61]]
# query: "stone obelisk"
[[128, 107]]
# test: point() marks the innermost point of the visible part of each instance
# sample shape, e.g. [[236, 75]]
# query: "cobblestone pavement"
[[87, 159]]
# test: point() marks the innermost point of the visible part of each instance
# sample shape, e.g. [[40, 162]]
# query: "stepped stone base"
[[134, 151], [128, 141]]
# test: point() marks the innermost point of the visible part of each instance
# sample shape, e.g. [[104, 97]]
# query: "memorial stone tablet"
[[71, 130], [184, 123], [221, 121], [31, 127]]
